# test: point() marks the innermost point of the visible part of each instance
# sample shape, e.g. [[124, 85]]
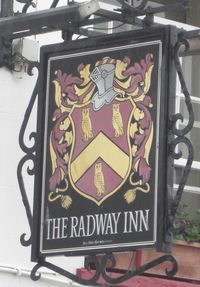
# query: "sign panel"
[[100, 159]]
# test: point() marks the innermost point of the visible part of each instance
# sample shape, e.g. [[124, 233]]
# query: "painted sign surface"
[[100, 163]]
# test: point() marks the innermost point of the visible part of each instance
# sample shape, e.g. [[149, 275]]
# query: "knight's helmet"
[[103, 76]]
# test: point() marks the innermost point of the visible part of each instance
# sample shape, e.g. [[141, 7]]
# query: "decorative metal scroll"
[[27, 4], [7, 53], [31, 3], [140, 7], [101, 270], [180, 134], [28, 157]]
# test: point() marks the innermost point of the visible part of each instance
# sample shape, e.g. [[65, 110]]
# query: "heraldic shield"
[[102, 132], [100, 160]]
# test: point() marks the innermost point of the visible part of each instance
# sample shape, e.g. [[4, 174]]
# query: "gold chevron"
[[104, 148]]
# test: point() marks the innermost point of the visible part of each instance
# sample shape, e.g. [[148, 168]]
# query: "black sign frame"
[[164, 35]]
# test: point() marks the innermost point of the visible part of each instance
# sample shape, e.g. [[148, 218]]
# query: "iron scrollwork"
[[100, 269], [140, 7], [27, 4], [180, 135], [7, 57], [29, 156]]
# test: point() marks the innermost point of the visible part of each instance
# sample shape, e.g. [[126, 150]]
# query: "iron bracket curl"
[[28, 157], [31, 3], [141, 8], [101, 270], [27, 5], [179, 136]]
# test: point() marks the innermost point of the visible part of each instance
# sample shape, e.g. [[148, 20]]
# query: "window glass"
[[195, 77], [191, 70], [194, 137], [193, 178], [196, 108]]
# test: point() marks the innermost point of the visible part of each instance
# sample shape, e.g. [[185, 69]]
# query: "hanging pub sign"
[[101, 160]]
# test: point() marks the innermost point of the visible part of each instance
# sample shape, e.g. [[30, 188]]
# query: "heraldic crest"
[[102, 131]]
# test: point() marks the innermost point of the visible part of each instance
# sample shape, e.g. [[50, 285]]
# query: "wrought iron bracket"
[[101, 270], [22, 24], [72, 19], [179, 136], [141, 8], [29, 156]]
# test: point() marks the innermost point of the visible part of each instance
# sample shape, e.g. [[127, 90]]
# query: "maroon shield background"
[[101, 126]]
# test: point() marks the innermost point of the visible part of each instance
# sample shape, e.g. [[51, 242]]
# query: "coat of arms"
[[103, 131]]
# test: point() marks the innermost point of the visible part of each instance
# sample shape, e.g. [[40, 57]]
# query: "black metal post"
[[6, 8], [55, 18], [6, 11]]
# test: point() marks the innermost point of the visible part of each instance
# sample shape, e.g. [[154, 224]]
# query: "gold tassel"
[[66, 201]]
